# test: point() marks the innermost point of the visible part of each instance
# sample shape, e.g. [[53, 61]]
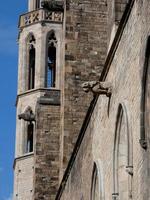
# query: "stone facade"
[[86, 44], [81, 48], [97, 143], [110, 139], [47, 147], [23, 184]]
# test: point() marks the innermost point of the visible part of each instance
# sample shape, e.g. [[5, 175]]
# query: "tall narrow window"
[[145, 112], [37, 4], [31, 71], [145, 99], [123, 165], [51, 61], [30, 130]]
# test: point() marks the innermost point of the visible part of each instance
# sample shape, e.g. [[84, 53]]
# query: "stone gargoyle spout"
[[97, 87], [27, 115]]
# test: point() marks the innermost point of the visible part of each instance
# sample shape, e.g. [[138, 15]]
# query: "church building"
[[83, 101]]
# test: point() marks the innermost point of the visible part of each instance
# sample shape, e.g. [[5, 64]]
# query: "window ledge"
[[29, 92]]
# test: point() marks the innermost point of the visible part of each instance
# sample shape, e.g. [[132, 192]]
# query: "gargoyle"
[[98, 87], [27, 115], [52, 5]]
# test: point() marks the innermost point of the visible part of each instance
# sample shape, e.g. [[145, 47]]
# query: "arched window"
[[145, 114], [122, 158], [31, 62], [119, 9], [30, 131], [95, 187], [51, 61], [145, 99], [97, 190]]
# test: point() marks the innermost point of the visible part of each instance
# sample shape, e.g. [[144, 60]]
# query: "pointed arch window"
[[145, 99], [122, 158], [30, 131], [51, 61], [31, 63], [95, 186]]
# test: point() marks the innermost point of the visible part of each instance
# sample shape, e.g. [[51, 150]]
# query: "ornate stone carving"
[[53, 5], [27, 115], [98, 87], [129, 170], [41, 15]]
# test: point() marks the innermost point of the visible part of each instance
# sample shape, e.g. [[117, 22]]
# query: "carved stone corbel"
[[27, 115], [97, 87], [129, 170]]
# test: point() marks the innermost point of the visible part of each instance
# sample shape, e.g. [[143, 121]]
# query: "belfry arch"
[[51, 60], [31, 58]]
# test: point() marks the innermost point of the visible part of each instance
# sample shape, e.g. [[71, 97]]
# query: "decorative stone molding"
[[97, 87], [129, 170], [27, 115], [40, 15]]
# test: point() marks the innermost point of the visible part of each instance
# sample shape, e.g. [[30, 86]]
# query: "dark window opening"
[[51, 61], [37, 4], [51, 68], [30, 130], [31, 75]]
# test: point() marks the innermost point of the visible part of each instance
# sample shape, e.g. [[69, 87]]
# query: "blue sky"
[[9, 14]]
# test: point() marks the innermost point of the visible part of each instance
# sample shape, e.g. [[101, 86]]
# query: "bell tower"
[[38, 101], [62, 44]]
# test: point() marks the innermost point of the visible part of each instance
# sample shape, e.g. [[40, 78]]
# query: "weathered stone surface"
[[86, 39], [125, 73], [47, 147]]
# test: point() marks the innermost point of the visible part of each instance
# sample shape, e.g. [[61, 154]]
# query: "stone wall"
[[85, 52], [23, 177], [47, 146], [125, 74]]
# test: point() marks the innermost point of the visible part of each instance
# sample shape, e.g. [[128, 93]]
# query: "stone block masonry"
[[47, 147], [86, 32]]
